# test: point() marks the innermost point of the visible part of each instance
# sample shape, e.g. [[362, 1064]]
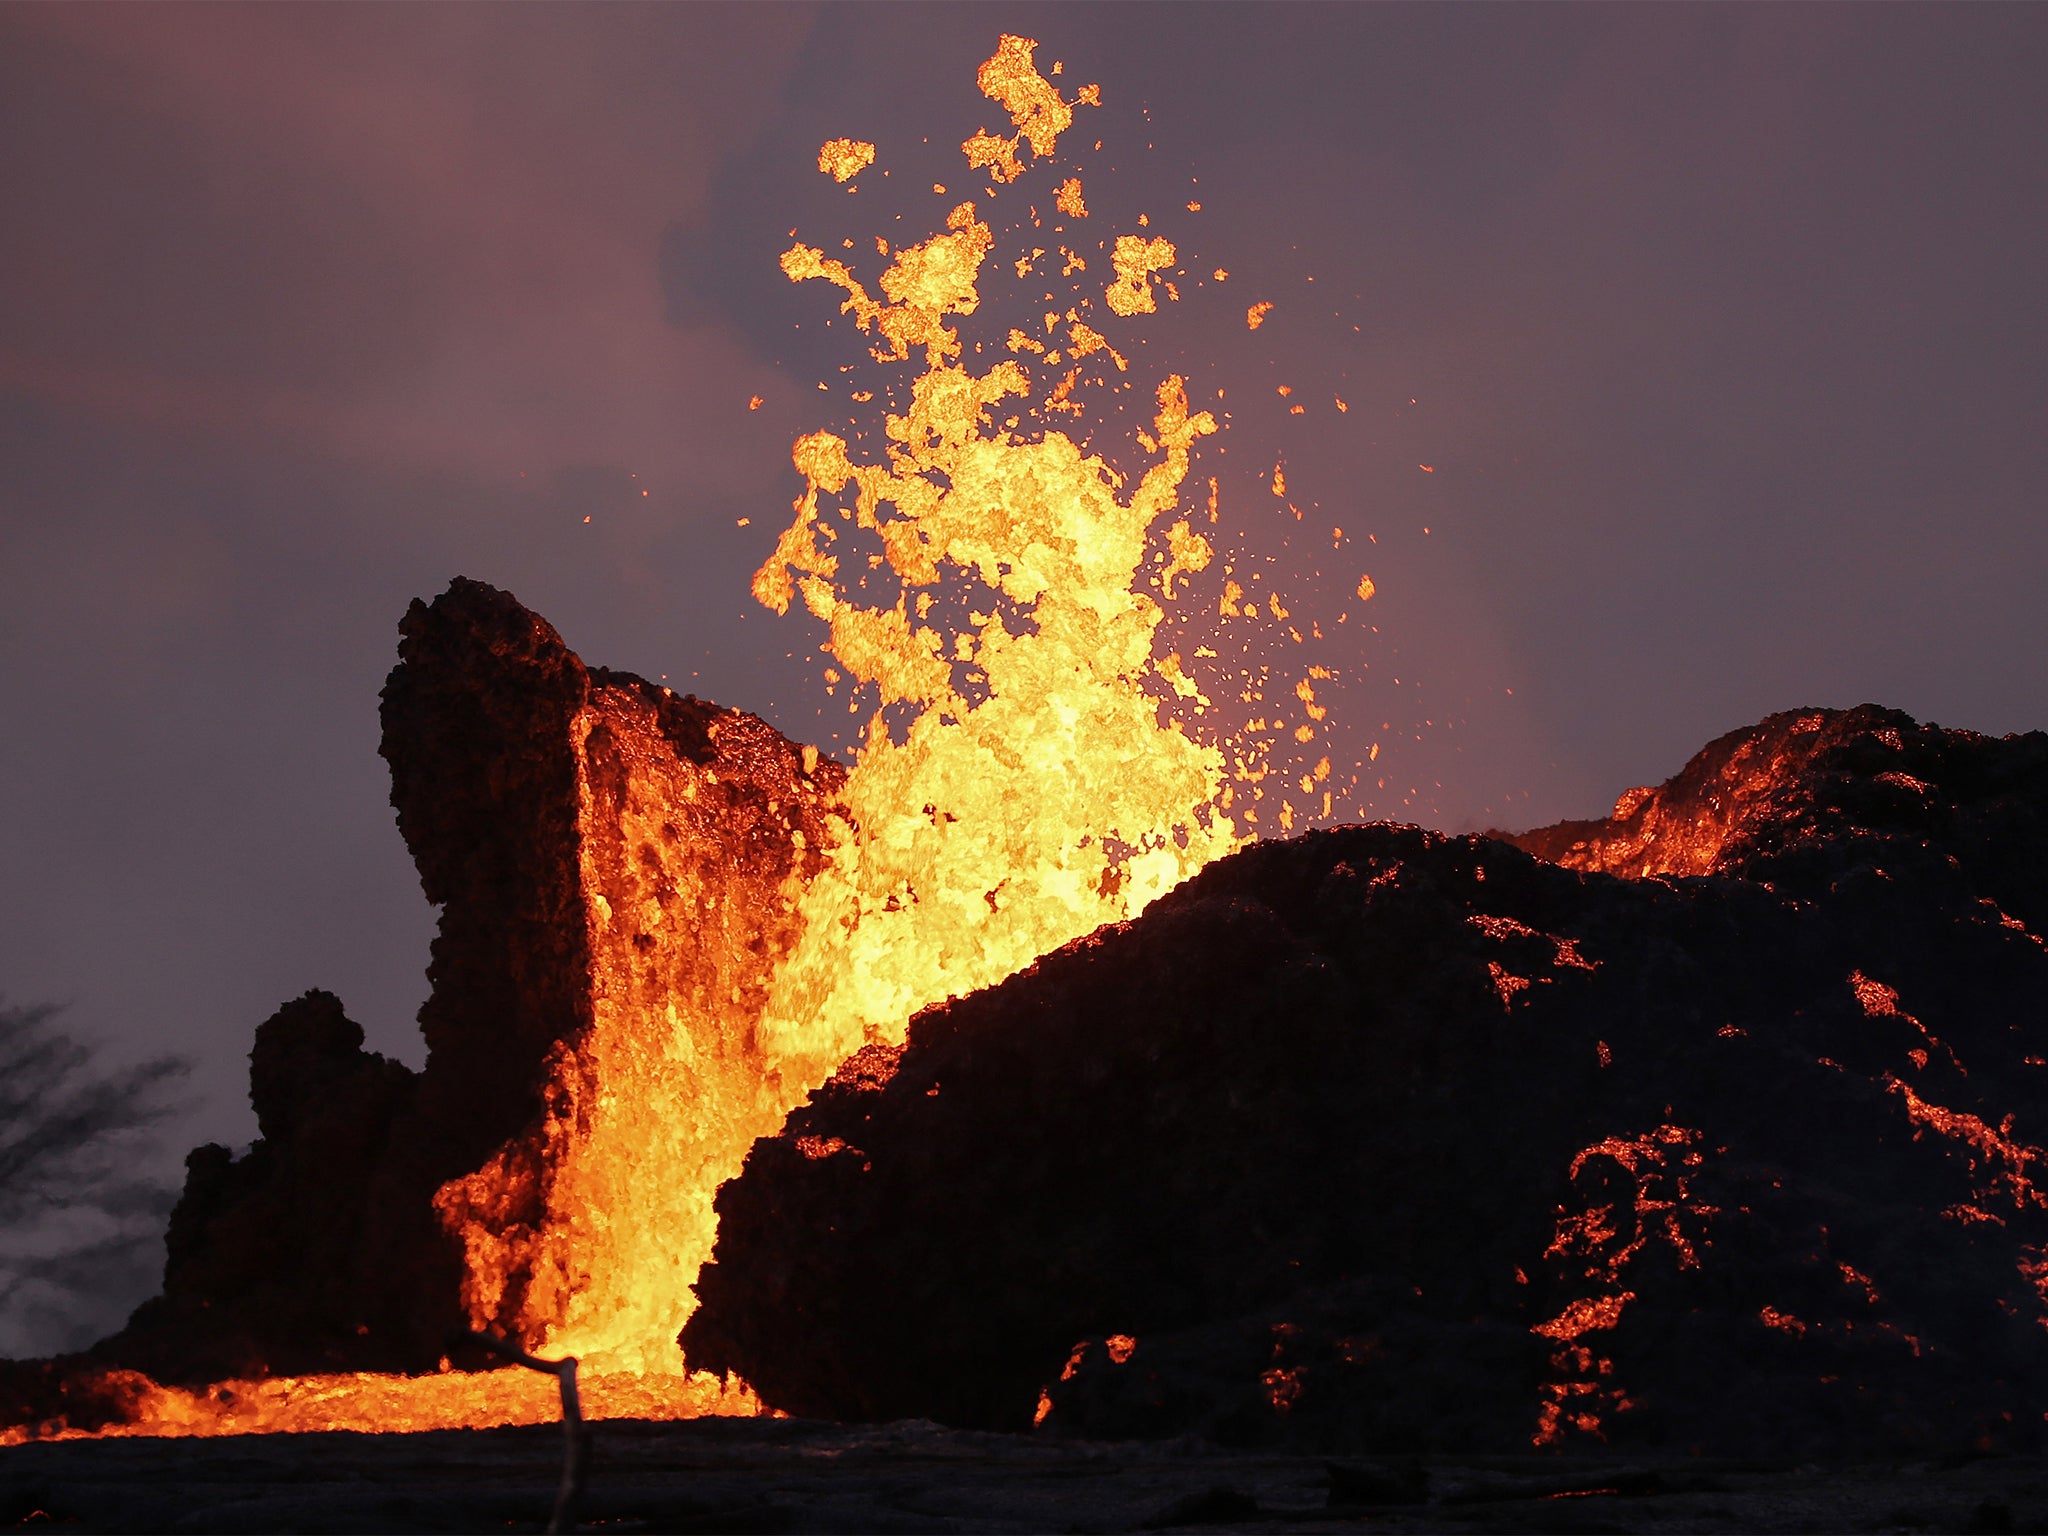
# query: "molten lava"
[[1030, 793], [387, 1403]]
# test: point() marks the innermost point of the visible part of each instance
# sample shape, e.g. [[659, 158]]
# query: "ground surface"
[[793, 1475]]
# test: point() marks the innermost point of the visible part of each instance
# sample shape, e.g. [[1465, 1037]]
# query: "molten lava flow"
[[586, 1240], [1031, 796], [367, 1401]]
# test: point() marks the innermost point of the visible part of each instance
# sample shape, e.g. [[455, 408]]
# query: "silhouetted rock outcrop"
[[276, 1260], [617, 865], [1381, 1139]]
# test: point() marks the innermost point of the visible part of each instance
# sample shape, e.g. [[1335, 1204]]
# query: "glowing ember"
[[1585, 1316], [1988, 1147], [1635, 1189]]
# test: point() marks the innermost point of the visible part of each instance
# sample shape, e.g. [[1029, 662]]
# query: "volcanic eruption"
[[1001, 1077], [663, 924]]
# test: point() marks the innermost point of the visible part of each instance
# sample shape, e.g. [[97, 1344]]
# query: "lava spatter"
[[1030, 790]]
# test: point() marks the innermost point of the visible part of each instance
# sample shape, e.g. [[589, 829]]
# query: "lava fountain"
[[995, 593], [1029, 790]]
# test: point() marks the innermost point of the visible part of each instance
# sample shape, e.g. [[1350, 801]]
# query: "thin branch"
[[576, 1434], [65, 1127]]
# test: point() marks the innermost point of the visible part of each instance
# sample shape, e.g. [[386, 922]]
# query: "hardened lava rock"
[[1382, 1140]]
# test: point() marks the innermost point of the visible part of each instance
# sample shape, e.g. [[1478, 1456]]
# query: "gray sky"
[[1721, 328]]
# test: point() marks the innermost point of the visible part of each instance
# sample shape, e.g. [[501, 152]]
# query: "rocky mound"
[[1380, 1139], [1799, 798]]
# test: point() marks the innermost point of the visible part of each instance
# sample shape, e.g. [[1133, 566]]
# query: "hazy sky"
[[1721, 329]]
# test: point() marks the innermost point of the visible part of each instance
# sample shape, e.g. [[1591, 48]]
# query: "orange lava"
[[368, 1401], [1636, 1188], [1989, 1147]]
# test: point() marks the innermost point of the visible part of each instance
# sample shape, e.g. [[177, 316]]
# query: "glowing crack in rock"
[[1633, 1189]]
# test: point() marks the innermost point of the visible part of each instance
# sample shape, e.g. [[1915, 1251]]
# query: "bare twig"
[[81, 1207], [575, 1432], [68, 1123]]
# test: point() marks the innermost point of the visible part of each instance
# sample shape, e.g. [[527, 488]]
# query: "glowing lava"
[[1030, 792], [380, 1403]]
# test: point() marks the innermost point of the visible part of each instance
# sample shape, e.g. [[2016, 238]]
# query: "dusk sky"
[[1721, 331]]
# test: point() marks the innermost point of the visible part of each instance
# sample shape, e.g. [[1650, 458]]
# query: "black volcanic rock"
[[1711, 1125], [477, 720], [1380, 1140], [276, 1260]]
